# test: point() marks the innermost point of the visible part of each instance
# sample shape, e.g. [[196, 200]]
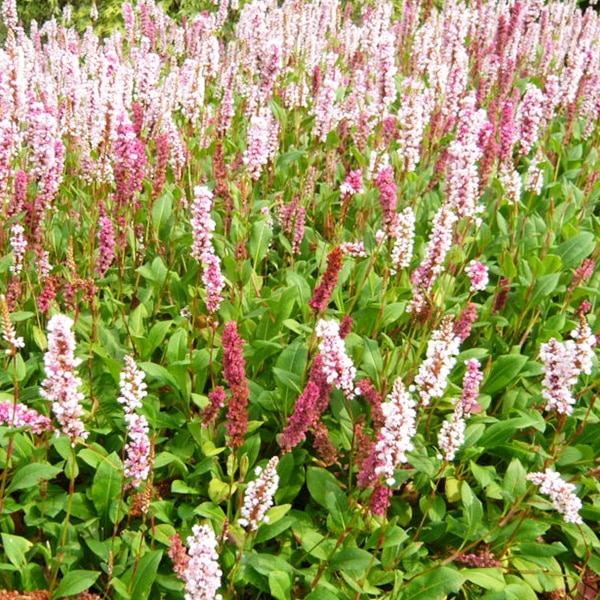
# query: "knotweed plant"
[[353, 249]]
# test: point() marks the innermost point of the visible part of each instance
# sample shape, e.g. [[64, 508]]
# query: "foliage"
[[315, 131]]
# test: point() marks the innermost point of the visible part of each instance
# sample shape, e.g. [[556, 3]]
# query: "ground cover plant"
[[298, 300]]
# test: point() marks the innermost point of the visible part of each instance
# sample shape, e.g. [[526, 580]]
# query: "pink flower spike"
[[202, 247], [199, 568], [562, 494], [478, 274], [395, 437], [18, 415], [138, 447], [258, 498], [337, 365], [61, 384]]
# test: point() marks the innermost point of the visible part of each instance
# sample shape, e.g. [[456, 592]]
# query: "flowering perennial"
[[258, 498], [322, 293], [61, 384], [199, 567], [18, 243], [305, 414], [561, 493], [352, 185], [395, 437], [478, 274], [442, 349], [471, 382], [234, 371], [18, 415], [9, 334], [452, 433], [202, 250], [563, 362], [404, 239], [337, 365], [133, 391]]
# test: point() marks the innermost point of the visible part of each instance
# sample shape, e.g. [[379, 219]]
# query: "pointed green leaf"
[[75, 582], [30, 475], [505, 369], [434, 585]]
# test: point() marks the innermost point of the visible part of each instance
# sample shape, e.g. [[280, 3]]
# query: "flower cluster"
[[258, 497], [355, 249], [388, 199], [9, 334], [395, 437], [234, 371], [199, 567], [404, 239], [352, 185], [18, 415], [561, 493], [440, 242], [262, 141], [18, 244], [470, 387], [138, 449], [202, 249], [563, 362], [322, 293], [61, 384], [106, 242], [442, 349], [337, 365], [304, 415], [291, 218], [452, 434], [478, 274]]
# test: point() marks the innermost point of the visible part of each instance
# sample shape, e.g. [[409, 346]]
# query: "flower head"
[[395, 437], [199, 567], [337, 365], [138, 447], [61, 384], [562, 494], [478, 274], [203, 226], [258, 498]]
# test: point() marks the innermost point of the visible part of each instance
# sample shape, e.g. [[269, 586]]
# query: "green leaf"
[[16, 547], [144, 575], [372, 361], [575, 249], [280, 585], [514, 479], [320, 482], [161, 213], [181, 487], [155, 338], [258, 244], [543, 287], [352, 560], [473, 509], [75, 582], [502, 431], [434, 585], [30, 475], [177, 347], [321, 593], [160, 373], [105, 491], [489, 578], [505, 369]]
